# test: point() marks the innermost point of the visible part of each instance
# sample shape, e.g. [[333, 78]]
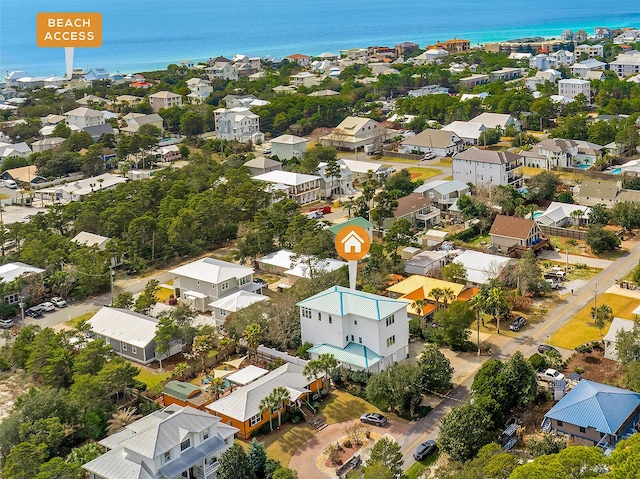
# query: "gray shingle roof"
[[487, 156]]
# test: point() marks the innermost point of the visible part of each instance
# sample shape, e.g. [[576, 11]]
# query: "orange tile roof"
[[467, 294]]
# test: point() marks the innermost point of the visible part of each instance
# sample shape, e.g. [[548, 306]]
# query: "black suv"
[[518, 323], [34, 312]]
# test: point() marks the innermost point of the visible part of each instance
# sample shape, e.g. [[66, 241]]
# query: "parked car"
[[550, 375], [260, 281], [373, 418], [424, 449], [518, 323], [59, 302], [34, 312], [6, 323], [266, 151], [545, 348], [428, 156], [11, 184], [312, 215], [47, 306]]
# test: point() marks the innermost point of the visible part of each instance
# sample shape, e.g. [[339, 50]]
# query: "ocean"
[[146, 35]]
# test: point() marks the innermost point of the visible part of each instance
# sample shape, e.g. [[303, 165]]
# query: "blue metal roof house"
[[595, 414]]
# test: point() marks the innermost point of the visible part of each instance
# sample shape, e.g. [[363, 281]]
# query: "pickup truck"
[[550, 375]]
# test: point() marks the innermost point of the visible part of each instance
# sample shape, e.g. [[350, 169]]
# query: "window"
[[360, 339], [390, 320], [583, 429], [255, 419], [222, 312], [346, 338], [244, 281], [124, 346], [355, 322], [134, 350], [330, 320], [601, 435], [205, 434], [224, 285], [352, 337], [319, 316], [186, 444], [12, 298], [391, 341], [306, 313], [167, 456], [560, 423]]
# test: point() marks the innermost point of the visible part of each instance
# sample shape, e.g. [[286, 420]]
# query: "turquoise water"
[[149, 34], [537, 214], [583, 167], [616, 171]]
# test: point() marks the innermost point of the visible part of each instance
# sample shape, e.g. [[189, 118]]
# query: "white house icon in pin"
[[352, 243]]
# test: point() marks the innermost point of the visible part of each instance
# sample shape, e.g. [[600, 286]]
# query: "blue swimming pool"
[[537, 214], [583, 167], [616, 171]]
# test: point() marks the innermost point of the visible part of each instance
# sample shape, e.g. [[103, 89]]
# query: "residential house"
[[284, 89], [508, 232], [293, 267], [542, 61], [415, 208], [551, 153], [438, 142], [562, 214], [167, 153], [304, 79], [174, 442], [221, 308], [591, 51], [84, 117], [241, 409], [303, 189], [97, 131], [330, 185], [563, 58], [11, 79], [243, 101], [128, 100], [611, 338], [505, 74], [405, 49], [481, 267], [595, 414], [453, 46], [580, 69], [183, 394], [96, 74], [136, 120], [14, 150], [355, 132], [602, 32], [497, 120], [429, 56], [485, 167], [10, 272], [593, 192], [572, 87], [39, 146], [23, 175], [542, 77], [360, 169], [474, 80], [200, 90], [239, 124], [261, 165], [595, 75], [628, 35], [79, 189], [468, 132], [357, 221], [91, 240], [428, 90], [222, 70], [626, 64], [588, 152], [130, 334], [93, 100], [206, 280], [417, 287], [443, 193], [300, 59], [324, 93], [363, 331], [286, 147], [426, 261], [164, 99], [328, 56]]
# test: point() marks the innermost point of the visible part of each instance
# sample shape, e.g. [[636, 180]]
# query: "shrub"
[[580, 266], [579, 370], [4, 365], [538, 361], [584, 348], [334, 455], [347, 443], [303, 351], [572, 242], [359, 377], [264, 429]]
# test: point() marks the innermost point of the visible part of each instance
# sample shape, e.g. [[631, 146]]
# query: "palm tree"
[[281, 397], [448, 295], [121, 418], [180, 370], [253, 336], [217, 386], [268, 404], [419, 305], [323, 365], [437, 294], [497, 301], [575, 216]]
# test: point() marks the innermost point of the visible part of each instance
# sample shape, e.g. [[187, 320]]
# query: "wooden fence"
[[563, 232]]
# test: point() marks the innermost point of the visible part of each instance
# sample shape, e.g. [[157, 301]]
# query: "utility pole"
[[21, 304], [595, 301], [111, 273]]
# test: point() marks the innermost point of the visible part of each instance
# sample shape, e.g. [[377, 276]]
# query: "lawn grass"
[[152, 378], [73, 323], [443, 162], [447, 178], [421, 174], [418, 467], [573, 273], [479, 239], [342, 406], [561, 243], [282, 444], [581, 328], [163, 294]]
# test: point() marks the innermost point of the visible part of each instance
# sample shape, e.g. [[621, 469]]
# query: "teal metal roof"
[[342, 301], [180, 390], [355, 354], [590, 404], [358, 221]]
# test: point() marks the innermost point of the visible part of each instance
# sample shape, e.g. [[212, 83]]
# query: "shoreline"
[[126, 68]]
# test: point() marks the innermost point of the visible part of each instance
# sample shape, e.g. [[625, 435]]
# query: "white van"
[[11, 184]]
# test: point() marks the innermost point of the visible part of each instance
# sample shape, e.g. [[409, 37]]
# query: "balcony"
[[512, 166]]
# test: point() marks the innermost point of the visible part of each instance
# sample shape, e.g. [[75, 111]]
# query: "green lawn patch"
[[282, 444], [482, 241], [581, 329], [152, 378], [421, 174], [574, 273], [342, 406], [567, 243], [418, 467], [163, 294], [73, 323]]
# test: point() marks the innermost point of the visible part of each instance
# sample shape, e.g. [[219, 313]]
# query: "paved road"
[[527, 343]]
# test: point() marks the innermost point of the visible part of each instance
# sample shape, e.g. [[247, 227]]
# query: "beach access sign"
[[352, 242], [69, 29]]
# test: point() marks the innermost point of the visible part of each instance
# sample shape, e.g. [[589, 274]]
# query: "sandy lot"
[[12, 385]]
